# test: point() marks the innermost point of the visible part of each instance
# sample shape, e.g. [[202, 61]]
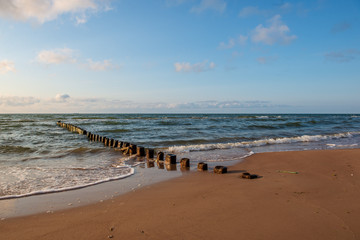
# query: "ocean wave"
[[4, 149], [131, 172], [257, 143], [116, 130]]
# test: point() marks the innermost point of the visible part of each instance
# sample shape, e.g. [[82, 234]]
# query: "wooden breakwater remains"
[[169, 160]]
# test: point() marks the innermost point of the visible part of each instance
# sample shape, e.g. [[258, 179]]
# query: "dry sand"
[[320, 202]]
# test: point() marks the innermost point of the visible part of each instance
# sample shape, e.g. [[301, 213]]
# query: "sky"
[[179, 56]]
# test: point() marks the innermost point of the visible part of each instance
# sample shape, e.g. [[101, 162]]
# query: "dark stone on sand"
[[247, 175]]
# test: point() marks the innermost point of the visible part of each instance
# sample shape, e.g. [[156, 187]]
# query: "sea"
[[39, 157]]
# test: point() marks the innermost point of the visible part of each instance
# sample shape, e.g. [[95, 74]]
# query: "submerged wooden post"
[[150, 164], [160, 164]]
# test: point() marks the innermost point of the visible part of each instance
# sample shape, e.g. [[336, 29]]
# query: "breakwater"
[[130, 148]]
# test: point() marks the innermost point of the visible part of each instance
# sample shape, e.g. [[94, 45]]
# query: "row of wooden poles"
[[132, 149]]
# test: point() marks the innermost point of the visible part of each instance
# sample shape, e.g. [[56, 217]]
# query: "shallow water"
[[37, 156]]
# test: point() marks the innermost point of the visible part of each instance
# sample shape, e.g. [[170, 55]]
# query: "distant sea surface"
[[37, 156]]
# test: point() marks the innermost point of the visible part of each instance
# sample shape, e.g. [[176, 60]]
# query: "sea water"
[[37, 156]]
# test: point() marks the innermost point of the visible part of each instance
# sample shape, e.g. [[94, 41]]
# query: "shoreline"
[[320, 202]]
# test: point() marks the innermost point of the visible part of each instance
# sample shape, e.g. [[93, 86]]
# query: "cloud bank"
[[63, 103], [42, 11]]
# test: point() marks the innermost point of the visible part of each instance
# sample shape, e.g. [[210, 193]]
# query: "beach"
[[298, 195]]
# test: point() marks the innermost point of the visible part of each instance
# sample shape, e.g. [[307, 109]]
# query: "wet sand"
[[320, 202]]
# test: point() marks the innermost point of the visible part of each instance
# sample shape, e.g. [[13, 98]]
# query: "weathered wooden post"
[[185, 163], [116, 143], [140, 152], [132, 149], [170, 159], [220, 169], [149, 153], [202, 166], [160, 156]]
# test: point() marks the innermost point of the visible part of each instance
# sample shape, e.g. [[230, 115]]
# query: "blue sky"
[[179, 56]]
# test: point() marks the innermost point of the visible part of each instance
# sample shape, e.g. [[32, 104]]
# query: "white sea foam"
[[342, 145], [131, 172], [258, 143]]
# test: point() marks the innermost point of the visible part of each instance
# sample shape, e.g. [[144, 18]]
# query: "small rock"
[[110, 236]]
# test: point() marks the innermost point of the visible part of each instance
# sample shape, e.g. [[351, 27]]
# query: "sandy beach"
[[319, 202]]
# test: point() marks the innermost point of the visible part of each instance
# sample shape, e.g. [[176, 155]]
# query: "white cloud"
[[100, 65], [228, 45], [241, 40], [62, 97], [196, 67], [42, 11], [7, 66], [56, 56], [276, 32], [216, 5], [67, 55]]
